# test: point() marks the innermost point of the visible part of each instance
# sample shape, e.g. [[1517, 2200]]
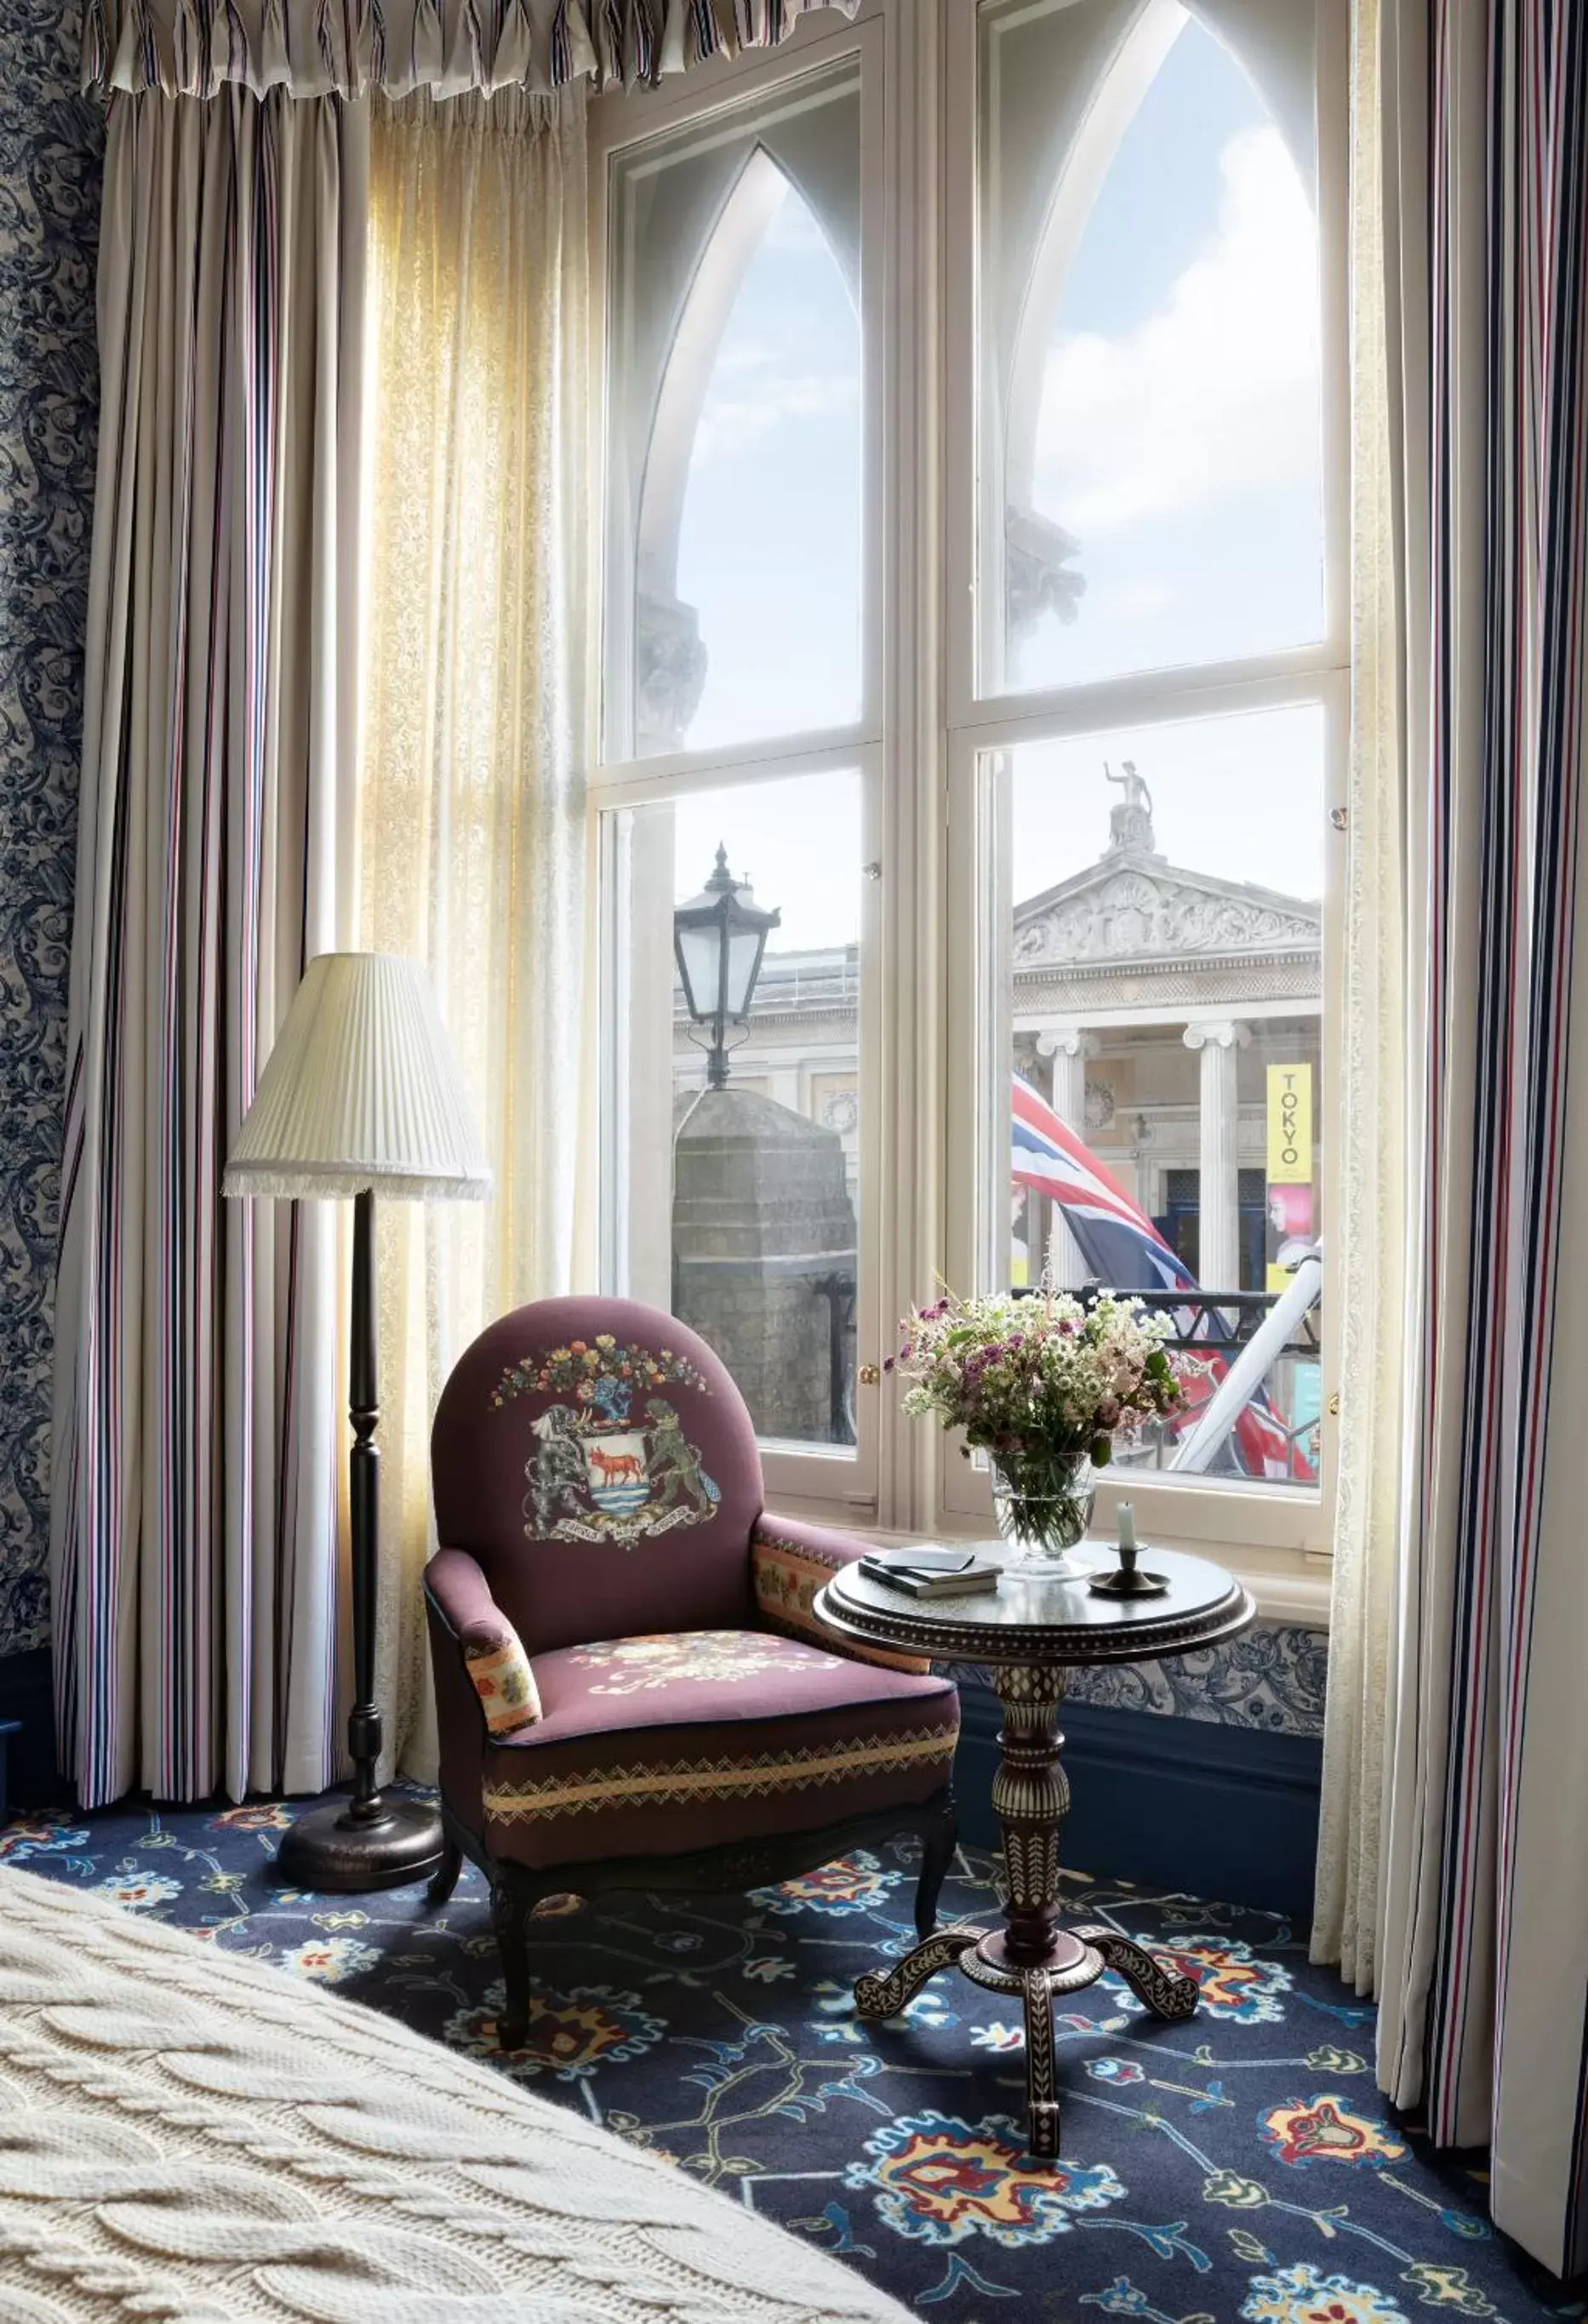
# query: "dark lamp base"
[[333, 1848]]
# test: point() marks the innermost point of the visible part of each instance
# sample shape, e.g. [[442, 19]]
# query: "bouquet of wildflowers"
[[1046, 1386]]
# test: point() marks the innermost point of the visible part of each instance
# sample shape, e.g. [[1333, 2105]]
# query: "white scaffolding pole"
[[1246, 1374]]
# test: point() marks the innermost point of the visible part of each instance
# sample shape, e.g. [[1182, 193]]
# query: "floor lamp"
[[362, 1095]]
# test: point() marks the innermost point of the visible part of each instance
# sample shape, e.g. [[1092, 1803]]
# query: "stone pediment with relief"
[[1134, 907]]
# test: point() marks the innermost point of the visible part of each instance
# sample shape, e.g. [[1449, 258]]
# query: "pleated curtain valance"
[[319, 47]]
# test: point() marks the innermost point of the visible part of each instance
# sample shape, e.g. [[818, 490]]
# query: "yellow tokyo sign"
[[1289, 1125]]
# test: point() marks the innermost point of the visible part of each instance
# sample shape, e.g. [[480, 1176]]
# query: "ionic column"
[[1219, 1175], [1070, 1050]]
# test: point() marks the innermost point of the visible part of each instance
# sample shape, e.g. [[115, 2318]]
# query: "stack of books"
[[932, 1573]]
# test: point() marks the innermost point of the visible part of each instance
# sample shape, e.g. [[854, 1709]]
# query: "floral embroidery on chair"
[[786, 1575], [583, 1366], [600, 1471], [505, 1684], [645, 1662], [1324, 2131]]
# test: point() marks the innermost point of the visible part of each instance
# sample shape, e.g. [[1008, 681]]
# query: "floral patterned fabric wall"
[[1273, 1679], [50, 142]]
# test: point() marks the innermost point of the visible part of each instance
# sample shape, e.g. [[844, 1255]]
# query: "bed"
[[185, 2135]]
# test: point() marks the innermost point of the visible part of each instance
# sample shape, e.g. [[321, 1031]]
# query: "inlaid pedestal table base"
[[1032, 1630]]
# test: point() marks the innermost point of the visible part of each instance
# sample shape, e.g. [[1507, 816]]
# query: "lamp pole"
[[361, 1091]]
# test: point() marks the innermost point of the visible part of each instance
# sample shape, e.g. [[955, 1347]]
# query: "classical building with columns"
[[1148, 1003]]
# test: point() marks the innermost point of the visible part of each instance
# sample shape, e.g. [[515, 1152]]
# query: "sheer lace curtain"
[[1390, 519], [472, 828]]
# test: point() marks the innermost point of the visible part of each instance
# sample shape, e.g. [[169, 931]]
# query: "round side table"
[[1032, 1630]]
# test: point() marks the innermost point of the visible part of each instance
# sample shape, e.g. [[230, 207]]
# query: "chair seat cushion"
[[661, 1745]]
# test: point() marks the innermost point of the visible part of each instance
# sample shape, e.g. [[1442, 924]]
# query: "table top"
[[1032, 1619]]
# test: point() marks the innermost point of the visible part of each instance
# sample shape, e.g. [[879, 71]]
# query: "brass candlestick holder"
[[1128, 1579]]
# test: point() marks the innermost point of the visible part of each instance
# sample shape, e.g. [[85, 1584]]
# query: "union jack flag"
[[1121, 1247]]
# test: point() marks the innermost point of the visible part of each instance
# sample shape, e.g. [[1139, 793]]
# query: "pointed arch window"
[[1150, 708], [738, 682], [1152, 491], [736, 429]]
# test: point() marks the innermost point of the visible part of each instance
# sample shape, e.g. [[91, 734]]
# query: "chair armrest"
[[790, 1561], [462, 1595]]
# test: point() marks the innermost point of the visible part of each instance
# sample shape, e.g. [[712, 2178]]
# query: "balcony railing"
[[1225, 1321]]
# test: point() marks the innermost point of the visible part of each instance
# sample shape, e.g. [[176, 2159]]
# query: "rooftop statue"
[[1129, 821]]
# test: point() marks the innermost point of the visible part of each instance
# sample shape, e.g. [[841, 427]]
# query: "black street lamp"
[[719, 937]]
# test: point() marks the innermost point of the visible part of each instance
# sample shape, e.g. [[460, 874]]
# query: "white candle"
[[1127, 1526]]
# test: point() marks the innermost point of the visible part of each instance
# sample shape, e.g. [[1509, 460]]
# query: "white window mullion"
[[1156, 696], [912, 965]]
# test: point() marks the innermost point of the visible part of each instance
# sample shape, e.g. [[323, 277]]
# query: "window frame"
[[837, 1482], [925, 1022]]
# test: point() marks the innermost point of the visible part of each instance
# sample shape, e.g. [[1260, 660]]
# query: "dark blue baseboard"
[[29, 1778], [1185, 1804]]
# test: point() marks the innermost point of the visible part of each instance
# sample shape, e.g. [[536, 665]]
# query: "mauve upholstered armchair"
[[631, 1691]]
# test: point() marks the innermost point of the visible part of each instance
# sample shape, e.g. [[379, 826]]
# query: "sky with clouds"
[[1177, 438]]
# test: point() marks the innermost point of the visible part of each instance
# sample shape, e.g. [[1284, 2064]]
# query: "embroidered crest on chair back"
[[597, 1461]]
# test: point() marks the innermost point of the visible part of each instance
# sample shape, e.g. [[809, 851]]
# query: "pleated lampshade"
[[362, 1090]]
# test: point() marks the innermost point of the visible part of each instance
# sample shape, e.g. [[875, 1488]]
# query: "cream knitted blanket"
[[186, 2134]]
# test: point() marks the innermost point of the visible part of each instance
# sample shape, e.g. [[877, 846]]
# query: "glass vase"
[[1043, 1512]]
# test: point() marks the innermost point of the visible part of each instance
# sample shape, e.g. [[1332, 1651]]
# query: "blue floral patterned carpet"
[[1242, 2166]]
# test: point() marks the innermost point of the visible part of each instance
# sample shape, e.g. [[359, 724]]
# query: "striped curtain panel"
[[1483, 1936], [194, 1525]]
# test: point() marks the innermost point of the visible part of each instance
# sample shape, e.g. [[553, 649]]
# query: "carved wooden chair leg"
[[1041, 2081], [884, 1992], [509, 1914], [444, 1879], [1164, 1991], [937, 1856]]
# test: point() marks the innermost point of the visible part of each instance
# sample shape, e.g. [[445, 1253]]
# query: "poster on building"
[[1291, 1225]]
